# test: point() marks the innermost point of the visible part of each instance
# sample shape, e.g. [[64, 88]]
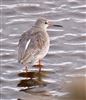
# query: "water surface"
[[65, 59]]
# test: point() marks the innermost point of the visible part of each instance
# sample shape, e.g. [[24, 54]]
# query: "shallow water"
[[66, 57]]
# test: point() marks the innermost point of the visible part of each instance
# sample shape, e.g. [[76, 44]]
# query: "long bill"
[[57, 25]]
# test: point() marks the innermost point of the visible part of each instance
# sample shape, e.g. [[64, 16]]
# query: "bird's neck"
[[41, 28]]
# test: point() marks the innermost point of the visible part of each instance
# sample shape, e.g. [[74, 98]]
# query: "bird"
[[34, 44]]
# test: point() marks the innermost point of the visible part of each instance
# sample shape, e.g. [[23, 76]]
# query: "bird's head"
[[44, 23]]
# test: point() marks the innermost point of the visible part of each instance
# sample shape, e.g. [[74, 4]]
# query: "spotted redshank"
[[34, 43]]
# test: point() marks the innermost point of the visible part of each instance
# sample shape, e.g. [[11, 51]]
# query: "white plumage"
[[27, 44]]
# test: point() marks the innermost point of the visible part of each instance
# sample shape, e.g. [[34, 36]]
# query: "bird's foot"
[[39, 65]]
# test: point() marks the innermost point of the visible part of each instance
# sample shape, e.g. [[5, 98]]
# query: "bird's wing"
[[21, 48], [30, 45]]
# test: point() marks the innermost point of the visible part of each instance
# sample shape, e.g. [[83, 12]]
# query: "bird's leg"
[[40, 65], [26, 69]]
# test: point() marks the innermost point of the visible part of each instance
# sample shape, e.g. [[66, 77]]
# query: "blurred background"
[[64, 74]]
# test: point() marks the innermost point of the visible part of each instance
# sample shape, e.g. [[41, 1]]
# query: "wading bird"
[[34, 44]]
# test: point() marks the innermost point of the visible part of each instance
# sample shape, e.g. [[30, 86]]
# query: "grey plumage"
[[34, 44], [38, 39]]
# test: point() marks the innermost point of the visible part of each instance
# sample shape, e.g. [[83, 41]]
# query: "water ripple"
[[19, 20], [1, 40], [81, 6], [76, 43], [82, 67], [10, 88], [68, 52], [66, 58], [18, 5]]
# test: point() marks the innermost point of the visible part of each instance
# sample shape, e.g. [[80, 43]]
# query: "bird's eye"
[[46, 22]]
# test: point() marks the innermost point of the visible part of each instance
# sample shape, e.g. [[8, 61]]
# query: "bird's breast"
[[43, 52]]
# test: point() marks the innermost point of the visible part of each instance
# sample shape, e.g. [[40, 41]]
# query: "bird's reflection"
[[32, 79]]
